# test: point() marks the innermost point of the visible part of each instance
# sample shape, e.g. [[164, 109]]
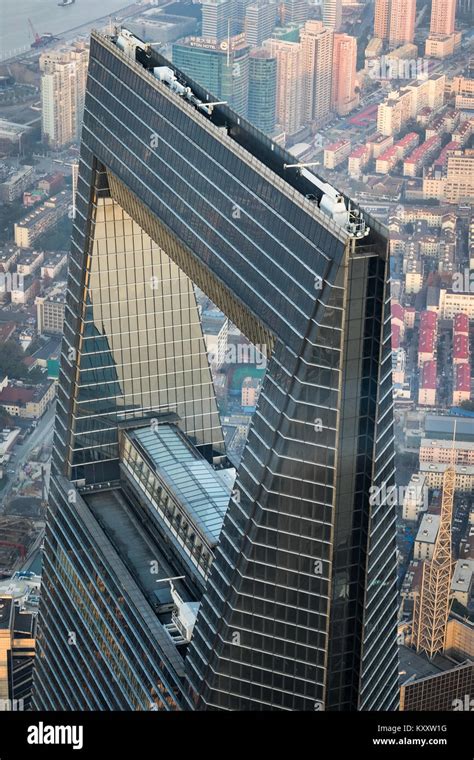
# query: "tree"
[[11, 360], [5, 419]]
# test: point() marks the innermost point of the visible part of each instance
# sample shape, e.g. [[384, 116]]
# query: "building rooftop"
[[398, 312], [428, 529], [31, 219], [447, 444], [56, 177], [29, 257], [388, 154], [14, 394], [461, 323], [337, 145], [421, 150], [428, 375], [441, 468], [462, 382], [359, 152], [56, 293], [441, 427], [260, 53], [378, 138], [462, 576], [54, 258], [414, 666], [427, 341], [129, 551], [428, 320], [410, 138], [460, 347], [198, 487], [443, 156], [8, 252]]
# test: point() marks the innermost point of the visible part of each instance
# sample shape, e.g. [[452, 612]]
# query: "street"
[[43, 433]]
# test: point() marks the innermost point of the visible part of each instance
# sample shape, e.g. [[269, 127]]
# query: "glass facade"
[[99, 645], [262, 90], [443, 692], [223, 72], [299, 605]]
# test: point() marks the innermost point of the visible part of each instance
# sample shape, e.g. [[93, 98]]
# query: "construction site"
[[22, 523], [18, 536]]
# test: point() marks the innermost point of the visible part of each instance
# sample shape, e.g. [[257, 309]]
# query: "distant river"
[[46, 16]]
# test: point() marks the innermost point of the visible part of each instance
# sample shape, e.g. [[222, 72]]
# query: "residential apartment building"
[[63, 82], [289, 83], [344, 96], [50, 310], [317, 70]]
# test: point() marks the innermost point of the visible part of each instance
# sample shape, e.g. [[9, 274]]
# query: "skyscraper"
[[443, 16], [332, 14], [394, 20], [294, 11], [238, 14], [63, 83], [223, 70], [216, 15], [344, 97], [382, 19], [443, 38], [317, 65], [162, 588], [260, 19], [402, 22], [262, 90], [289, 92]]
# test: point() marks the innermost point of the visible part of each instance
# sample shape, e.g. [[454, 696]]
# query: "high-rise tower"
[[402, 22], [223, 69], [331, 11], [382, 19], [283, 594], [443, 16], [262, 89], [63, 84], [289, 83], [344, 97], [317, 64], [216, 15], [443, 38]]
